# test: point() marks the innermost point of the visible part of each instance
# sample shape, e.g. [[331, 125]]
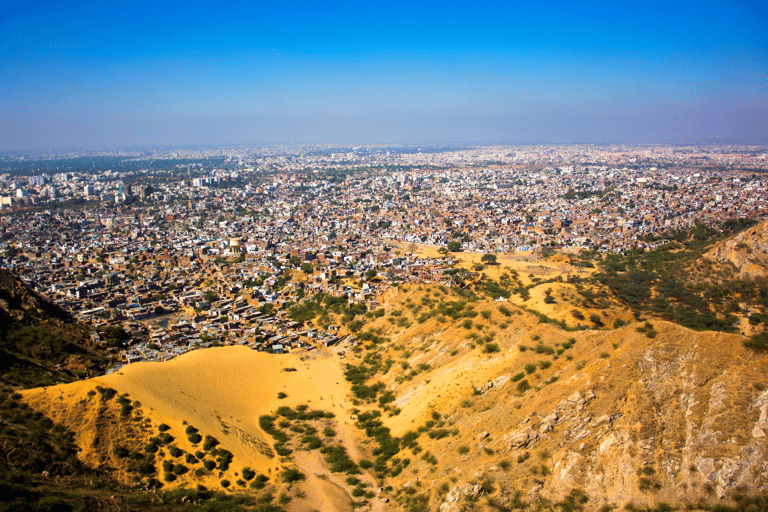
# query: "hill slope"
[[645, 414], [40, 343], [452, 401], [747, 251]]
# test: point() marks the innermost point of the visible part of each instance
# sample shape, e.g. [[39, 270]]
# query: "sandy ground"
[[223, 391]]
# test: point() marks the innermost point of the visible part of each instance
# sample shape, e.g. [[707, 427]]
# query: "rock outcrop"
[[747, 251]]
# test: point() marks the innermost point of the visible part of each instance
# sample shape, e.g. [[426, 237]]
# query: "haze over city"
[[93, 75]]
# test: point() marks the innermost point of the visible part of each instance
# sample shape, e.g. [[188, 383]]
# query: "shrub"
[[210, 443], [758, 342], [491, 348], [518, 377], [153, 445], [523, 386], [120, 452], [292, 475], [463, 449]]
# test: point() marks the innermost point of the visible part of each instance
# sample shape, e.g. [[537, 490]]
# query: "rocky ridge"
[[747, 251]]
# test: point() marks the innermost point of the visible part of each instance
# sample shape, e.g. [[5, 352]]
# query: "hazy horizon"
[[85, 75]]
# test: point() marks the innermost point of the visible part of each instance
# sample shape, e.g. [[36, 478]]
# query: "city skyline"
[[89, 75]]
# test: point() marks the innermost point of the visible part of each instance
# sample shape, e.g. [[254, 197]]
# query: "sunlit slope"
[[220, 391]]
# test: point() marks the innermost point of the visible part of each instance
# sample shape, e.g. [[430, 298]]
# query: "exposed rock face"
[[496, 383], [747, 251], [679, 418], [458, 494], [690, 419]]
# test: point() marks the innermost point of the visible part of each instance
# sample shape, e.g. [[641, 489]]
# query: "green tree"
[[453, 246], [489, 259]]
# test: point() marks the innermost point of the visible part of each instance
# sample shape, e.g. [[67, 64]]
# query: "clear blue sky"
[[96, 74]]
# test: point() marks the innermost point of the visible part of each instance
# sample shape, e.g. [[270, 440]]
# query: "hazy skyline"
[[88, 74]]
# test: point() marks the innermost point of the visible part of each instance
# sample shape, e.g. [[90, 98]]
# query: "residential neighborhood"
[[215, 247]]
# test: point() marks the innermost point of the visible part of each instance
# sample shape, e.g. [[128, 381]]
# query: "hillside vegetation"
[[581, 382]]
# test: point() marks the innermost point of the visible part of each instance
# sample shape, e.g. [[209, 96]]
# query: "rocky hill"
[[452, 401], [647, 414], [40, 342], [746, 251]]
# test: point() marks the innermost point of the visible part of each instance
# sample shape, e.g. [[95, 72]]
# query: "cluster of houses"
[[189, 262]]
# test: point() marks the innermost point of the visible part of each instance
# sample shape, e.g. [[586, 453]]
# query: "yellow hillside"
[[220, 391]]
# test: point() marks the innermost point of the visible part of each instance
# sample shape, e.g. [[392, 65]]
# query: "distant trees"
[[489, 259], [453, 246]]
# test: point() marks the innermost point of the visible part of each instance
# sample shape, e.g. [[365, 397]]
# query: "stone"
[[515, 439], [602, 420], [482, 435]]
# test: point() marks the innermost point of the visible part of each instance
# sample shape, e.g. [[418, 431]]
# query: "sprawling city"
[[216, 235]]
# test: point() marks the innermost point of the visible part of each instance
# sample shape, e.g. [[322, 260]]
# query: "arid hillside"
[[746, 251], [40, 343], [523, 387]]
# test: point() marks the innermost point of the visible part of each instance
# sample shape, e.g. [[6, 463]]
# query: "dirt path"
[[324, 494]]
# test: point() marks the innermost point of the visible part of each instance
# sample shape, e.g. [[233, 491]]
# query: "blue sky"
[[99, 74]]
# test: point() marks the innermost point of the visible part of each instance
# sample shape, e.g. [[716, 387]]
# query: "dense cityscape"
[[211, 242]]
